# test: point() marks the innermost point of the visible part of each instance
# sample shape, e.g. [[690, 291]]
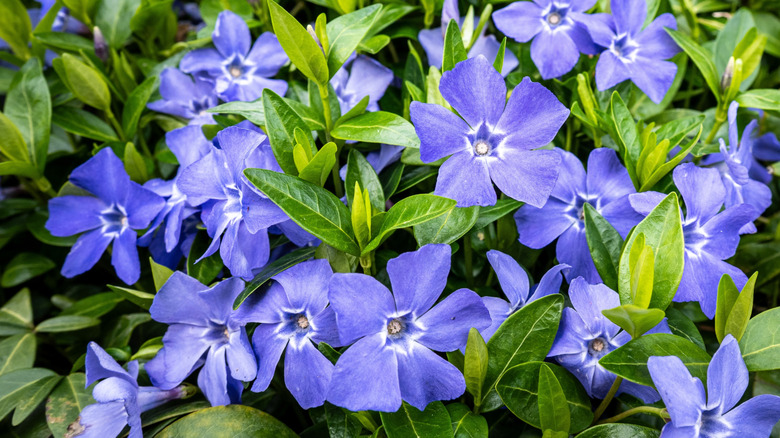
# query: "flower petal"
[[178, 301], [654, 40], [268, 346], [607, 178], [756, 417], [432, 42], [425, 377], [511, 276], [268, 54], [124, 257], [653, 76], [538, 227], [466, 179], [240, 357], [101, 420], [362, 305], [183, 347], [572, 249], [306, 284], [307, 374], [610, 71], [629, 15], [589, 300], [701, 189], [100, 365], [476, 90], [554, 53], [69, 215], [441, 132], [532, 117], [419, 277], [527, 176], [213, 378], [727, 376], [572, 180], [520, 21], [231, 34], [446, 326], [104, 176], [683, 395], [85, 253]]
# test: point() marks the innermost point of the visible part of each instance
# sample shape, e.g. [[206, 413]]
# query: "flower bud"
[[728, 75], [101, 47]]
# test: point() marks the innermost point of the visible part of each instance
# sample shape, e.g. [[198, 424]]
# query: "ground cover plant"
[[433, 218]]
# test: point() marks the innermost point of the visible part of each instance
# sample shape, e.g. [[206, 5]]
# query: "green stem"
[[115, 123], [604, 403], [638, 410], [334, 174], [720, 118], [468, 255], [326, 111]]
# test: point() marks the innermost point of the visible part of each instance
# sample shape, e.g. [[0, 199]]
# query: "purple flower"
[[396, 333], [632, 52], [432, 41], [118, 209], [185, 97], [237, 72], [293, 316], [514, 282], [120, 401], [586, 335], [695, 415], [735, 163], [710, 235], [605, 187], [236, 215], [493, 141], [203, 331], [366, 77], [557, 29]]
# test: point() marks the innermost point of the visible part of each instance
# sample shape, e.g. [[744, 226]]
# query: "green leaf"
[[475, 363], [640, 265], [519, 390], [28, 106], [15, 27], [66, 402], [275, 267], [18, 168], [448, 227], [83, 123], [553, 409], [605, 244], [23, 267], [300, 47], [204, 270], [227, 422], [727, 296], [16, 315], [662, 229], [119, 336], [66, 323], [94, 306], [65, 41], [113, 18], [34, 398], [19, 385], [378, 127], [17, 352], [503, 207], [701, 57], [749, 50], [136, 104], [410, 422], [318, 169], [148, 349], [634, 320], [525, 336], [86, 83], [466, 424], [630, 360], [143, 299], [454, 52], [252, 111], [361, 215], [160, 274], [741, 310], [766, 99], [315, 209], [374, 44], [280, 123], [760, 344], [341, 423], [12, 146], [736, 28], [345, 34], [135, 166], [359, 170], [626, 134], [620, 429], [667, 167], [682, 326], [409, 212]]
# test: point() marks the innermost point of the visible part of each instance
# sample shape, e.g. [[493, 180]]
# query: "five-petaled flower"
[[493, 140], [237, 72], [358, 78], [605, 187], [203, 331], [118, 209], [394, 334], [714, 415], [185, 96]]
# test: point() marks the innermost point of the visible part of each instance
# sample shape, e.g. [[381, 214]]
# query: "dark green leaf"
[[605, 244], [488, 215], [16, 315], [142, 299], [275, 267], [553, 408], [448, 227], [135, 105], [454, 52], [94, 306], [83, 123], [66, 402], [341, 423], [66, 323], [410, 422], [33, 398], [205, 270], [12, 146], [65, 41], [19, 385], [280, 123], [378, 127], [252, 111], [119, 336], [701, 57], [17, 352], [346, 32], [28, 106], [621, 430], [626, 134], [466, 424], [760, 344], [228, 422], [359, 170], [682, 326], [23, 267]]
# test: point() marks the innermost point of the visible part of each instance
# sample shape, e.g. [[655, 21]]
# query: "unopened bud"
[[101, 48], [313, 34], [728, 75]]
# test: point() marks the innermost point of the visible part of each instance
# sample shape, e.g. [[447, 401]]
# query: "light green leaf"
[[17, 352], [17, 386], [448, 227], [15, 27], [16, 315], [766, 99], [12, 145], [359, 170], [760, 344], [160, 274], [346, 32], [143, 299], [113, 18], [66, 323], [300, 47], [83, 123], [701, 57], [633, 319], [83, 81], [378, 127], [228, 422], [475, 363]]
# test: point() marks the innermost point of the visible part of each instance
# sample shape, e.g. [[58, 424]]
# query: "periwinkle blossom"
[[203, 331], [605, 187], [734, 163], [585, 335], [632, 52], [711, 235], [185, 96], [120, 401], [514, 282], [293, 315], [117, 210], [432, 40], [237, 72], [359, 78], [557, 28], [714, 415], [395, 334], [493, 141], [235, 214]]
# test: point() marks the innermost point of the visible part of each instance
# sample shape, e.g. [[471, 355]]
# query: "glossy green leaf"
[[359, 170], [18, 386], [410, 422], [160, 274], [681, 325], [143, 299], [760, 344], [319, 168], [519, 390], [83, 81], [33, 398], [135, 165], [136, 104], [66, 402], [28, 106], [553, 409], [448, 227], [475, 363], [300, 47], [378, 127], [228, 422], [66, 323], [15, 26], [525, 336], [466, 424], [23, 267], [83, 123], [94, 306], [17, 352], [315, 209], [346, 32], [641, 263], [766, 99], [667, 167], [341, 422], [701, 57], [503, 207], [203, 269], [626, 134], [630, 360], [12, 146], [281, 121], [275, 267], [633, 319], [622, 430], [454, 52], [409, 212], [148, 349], [119, 335], [662, 229], [113, 18], [741, 310], [16, 314], [605, 244], [736, 28]]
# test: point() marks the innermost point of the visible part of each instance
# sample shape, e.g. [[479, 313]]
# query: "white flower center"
[[481, 147], [302, 322], [235, 72], [554, 18]]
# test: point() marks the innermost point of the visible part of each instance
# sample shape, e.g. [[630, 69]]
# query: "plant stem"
[[720, 118], [326, 111], [638, 410], [604, 403], [115, 123]]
